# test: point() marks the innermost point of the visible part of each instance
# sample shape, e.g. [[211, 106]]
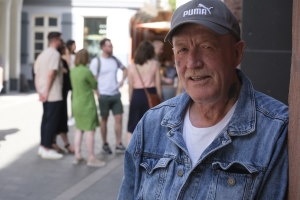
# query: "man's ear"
[[239, 51]]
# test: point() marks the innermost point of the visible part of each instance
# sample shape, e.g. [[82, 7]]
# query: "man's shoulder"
[[168, 111], [271, 106], [94, 61], [51, 50], [95, 58], [49, 53], [119, 63], [113, 58]]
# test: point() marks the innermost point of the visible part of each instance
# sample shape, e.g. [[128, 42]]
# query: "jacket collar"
[[242, 122]]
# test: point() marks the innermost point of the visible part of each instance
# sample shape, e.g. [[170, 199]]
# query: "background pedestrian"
[[48, 83], [84, 108], [105, 68], [147, 68]]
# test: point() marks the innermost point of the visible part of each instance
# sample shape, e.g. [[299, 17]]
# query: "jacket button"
[[180, 172], [231, 181]]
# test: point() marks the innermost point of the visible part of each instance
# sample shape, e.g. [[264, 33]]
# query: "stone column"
[[4, 39], [15, 44]]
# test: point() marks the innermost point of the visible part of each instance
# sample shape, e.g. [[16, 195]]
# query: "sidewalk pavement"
[[24, 175]]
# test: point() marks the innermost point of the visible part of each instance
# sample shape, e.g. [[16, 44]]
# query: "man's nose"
[[194, 59]]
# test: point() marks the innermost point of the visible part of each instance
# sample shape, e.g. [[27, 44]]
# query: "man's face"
[[206, 62], [58, 41], [73, 47], [107, 48]]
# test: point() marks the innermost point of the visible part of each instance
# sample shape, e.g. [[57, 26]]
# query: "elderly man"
[[220, 139]]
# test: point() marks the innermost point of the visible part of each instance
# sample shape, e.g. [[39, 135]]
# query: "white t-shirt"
[[198, 139], [107, 78]]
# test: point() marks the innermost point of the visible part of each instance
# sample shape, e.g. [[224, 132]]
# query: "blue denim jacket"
[[247, 160]]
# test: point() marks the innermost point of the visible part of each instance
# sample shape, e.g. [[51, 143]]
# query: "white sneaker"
[[78, 161], [71, 121], [96, 163], [51, 154], [40, 150]]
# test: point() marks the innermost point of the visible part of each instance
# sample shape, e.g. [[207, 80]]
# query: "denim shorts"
[[113, 103]]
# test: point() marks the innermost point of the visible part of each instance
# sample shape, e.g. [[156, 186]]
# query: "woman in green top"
[[84, 108]]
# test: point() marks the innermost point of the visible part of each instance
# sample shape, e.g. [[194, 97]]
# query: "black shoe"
[[106, 148]]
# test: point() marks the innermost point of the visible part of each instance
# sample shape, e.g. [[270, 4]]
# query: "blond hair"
[[82, 57]]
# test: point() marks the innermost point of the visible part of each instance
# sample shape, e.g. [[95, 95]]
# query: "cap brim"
[[208, 24]]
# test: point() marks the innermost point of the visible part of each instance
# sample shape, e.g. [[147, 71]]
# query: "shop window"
[[94, 31], [52, 21], [42, 26], [39, 21]]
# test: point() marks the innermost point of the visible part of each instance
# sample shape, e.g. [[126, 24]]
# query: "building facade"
[[26, 25], [10, 20]]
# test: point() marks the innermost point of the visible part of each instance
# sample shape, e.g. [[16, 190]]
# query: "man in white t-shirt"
[[48, 83], [105, 68]]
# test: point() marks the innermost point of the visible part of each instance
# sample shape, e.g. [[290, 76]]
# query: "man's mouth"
[[198, 78]]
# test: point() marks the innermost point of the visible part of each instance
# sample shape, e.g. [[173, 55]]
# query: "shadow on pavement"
[[6, 132]]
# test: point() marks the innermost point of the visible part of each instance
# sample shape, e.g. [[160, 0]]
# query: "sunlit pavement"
[[24, 175]]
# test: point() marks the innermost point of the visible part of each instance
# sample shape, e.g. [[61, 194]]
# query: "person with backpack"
[[105, 68]]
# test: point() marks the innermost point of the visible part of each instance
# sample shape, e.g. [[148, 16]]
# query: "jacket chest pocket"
[[232, 181], [154, 176]]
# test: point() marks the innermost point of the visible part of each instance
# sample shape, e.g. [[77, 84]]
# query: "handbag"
[[153, 99]]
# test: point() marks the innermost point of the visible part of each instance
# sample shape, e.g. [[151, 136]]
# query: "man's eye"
[[205, 46], [182, 50]]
